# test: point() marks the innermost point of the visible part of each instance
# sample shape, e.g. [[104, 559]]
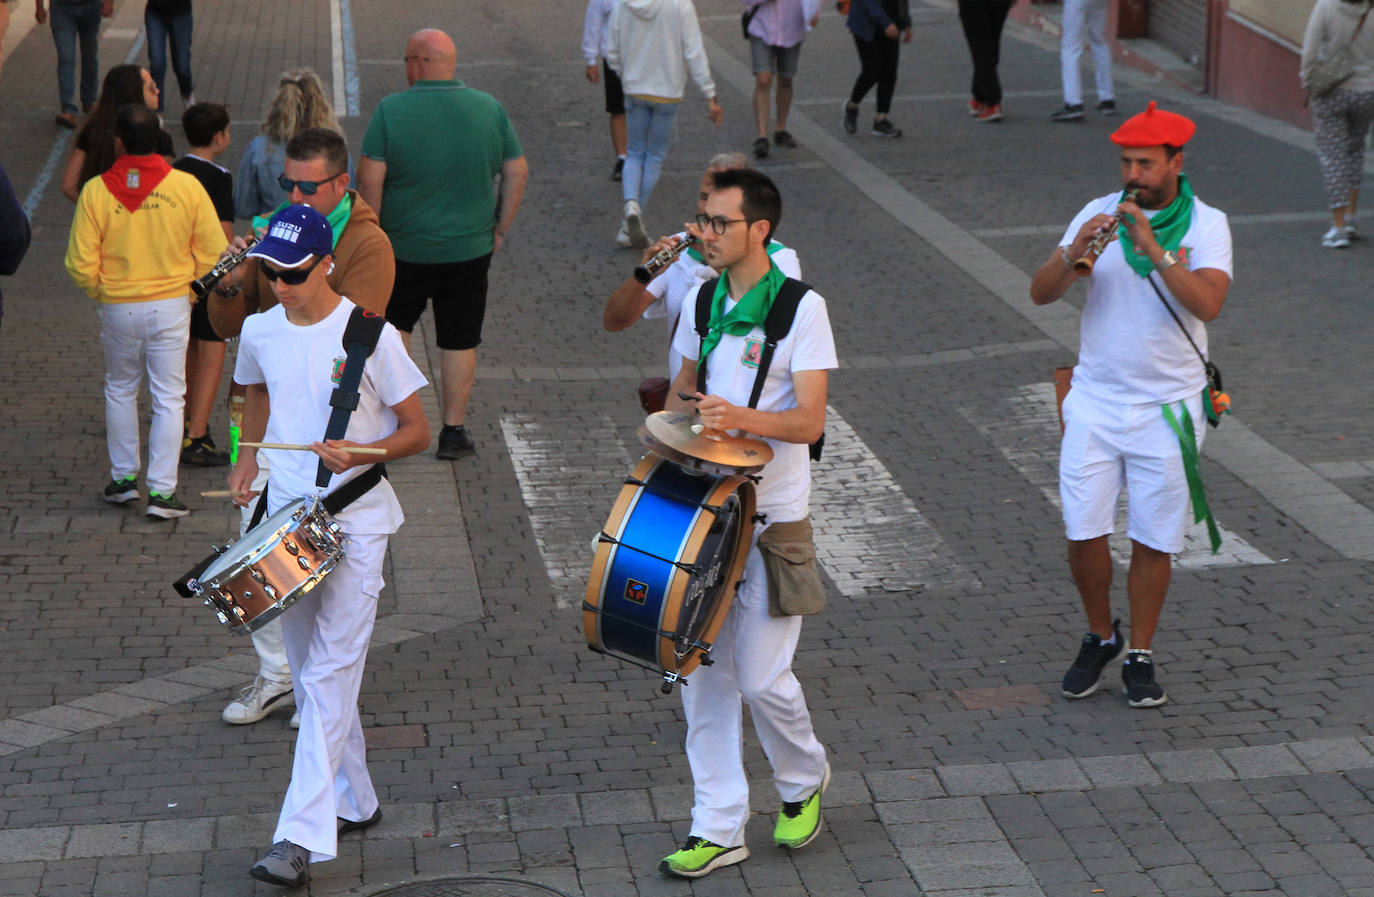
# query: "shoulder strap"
[[703, 326], [359, 339], [775, 327]]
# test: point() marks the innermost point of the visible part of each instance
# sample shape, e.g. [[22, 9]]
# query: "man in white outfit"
[[752, 656], [290, 361], [1085, 19]]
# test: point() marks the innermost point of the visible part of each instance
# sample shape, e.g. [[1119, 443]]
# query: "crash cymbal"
[[680, 436]]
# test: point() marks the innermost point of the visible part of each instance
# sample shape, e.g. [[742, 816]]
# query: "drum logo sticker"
[[636, 592], [337, 375], [753, 348]]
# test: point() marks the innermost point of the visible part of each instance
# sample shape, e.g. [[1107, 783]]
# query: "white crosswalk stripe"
[[1024, 428]]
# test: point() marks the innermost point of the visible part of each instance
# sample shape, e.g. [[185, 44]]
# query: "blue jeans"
[[160, 28], [649, 130], [70, 21]]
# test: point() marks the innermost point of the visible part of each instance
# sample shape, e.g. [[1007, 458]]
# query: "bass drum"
[[667, 566]]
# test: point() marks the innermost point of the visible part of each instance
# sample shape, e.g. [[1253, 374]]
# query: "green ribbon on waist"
[[1187, 443]]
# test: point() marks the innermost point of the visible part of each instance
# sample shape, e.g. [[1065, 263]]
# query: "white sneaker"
[[257, 701], [296, 720], [634, 225], [1336, 238], [622, 236]]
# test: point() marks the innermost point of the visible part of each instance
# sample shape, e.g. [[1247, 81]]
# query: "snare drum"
[[667, 566], [274, 564]]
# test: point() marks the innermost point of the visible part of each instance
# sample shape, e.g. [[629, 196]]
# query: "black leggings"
[[877, 65], [983, 21]]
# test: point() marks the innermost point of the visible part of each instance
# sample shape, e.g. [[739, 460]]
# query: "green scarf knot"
[[1169, 225], [750, 312]]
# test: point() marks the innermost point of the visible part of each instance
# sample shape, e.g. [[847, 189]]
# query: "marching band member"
[[290, 361], [1138, 389], [752, 656]]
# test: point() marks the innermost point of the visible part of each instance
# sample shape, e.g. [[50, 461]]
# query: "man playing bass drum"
[[1135, 411]]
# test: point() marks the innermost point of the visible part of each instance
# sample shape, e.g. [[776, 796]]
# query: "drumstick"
[[221, 493], [354, 449]]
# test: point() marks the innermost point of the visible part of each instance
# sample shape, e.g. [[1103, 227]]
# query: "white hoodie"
[[652, 44]]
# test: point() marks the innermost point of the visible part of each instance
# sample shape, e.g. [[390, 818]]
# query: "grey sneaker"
[[286, 864], [1070, 112], [1085, 675], [166, 507], [634, 224], [1106, 108], [883, 127]]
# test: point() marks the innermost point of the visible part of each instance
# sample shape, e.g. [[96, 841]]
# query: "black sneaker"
[[166, 507], [202, 452], [1138, 678], [761, 148], [120, 491], [454, 442], [784, 138], [1085, 675], [618, 170], [1072, 112], [883, 127], [1106, 108], [851, 118]]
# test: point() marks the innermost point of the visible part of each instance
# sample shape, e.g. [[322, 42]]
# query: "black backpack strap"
[[703, 326], [775, 327], [359, 339]]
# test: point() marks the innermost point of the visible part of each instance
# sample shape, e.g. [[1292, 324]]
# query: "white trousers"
[[1085, 18], [139, 338], [267, 640], [753, 663], [326, 634]]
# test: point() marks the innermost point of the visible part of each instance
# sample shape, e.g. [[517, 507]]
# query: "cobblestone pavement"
[[501, 746]]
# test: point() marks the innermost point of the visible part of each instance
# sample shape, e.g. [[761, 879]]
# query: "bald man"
[[429, 166]]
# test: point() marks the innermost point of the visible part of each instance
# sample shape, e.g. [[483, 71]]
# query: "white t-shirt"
[[298, 365], [684, 277], [784, 488], [1130, 350]]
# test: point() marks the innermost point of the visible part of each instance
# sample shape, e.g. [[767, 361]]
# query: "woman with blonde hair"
[[300, 103]]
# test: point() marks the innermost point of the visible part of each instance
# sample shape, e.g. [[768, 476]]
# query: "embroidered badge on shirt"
[[337, 375], [753, 349], [1185, 256], [131, 179]]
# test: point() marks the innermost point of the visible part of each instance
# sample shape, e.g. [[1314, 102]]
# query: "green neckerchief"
[[338, 219], [773, 247], [750, 312], [1187, 443], [1169, 225]]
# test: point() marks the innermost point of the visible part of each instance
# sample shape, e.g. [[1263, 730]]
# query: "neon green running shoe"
[[699, 857], [800, 821]]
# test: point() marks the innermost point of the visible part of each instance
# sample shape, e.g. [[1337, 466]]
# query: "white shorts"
[[1107, 446]]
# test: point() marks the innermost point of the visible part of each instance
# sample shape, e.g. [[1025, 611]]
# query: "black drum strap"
[[359, 339], [775, 327]]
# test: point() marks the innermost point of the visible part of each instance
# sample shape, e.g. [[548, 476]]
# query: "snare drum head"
[[252, 542]]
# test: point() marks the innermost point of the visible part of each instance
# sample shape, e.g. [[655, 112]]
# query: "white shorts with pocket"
[[1107, 446]]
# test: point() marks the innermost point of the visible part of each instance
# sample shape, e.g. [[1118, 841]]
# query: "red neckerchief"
[[132, 178]]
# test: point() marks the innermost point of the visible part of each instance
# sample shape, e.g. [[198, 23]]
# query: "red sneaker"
[[975, 108], [991, 113]]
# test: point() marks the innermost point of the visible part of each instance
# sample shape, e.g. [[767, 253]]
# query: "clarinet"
[[204, 285], [1084, 266], [661, 259]]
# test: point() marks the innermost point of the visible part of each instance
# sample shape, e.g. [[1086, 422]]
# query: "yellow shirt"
[[120, 256]]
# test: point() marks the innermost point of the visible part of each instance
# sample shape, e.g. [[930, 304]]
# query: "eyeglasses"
[[306, 187], [294, 277], [718, 223]]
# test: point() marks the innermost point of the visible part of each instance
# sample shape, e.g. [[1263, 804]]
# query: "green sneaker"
[[699, 857], [120, 491], [165, 506], [800, 821]]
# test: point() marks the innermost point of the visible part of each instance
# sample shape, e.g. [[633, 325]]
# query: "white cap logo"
[[287, 233]]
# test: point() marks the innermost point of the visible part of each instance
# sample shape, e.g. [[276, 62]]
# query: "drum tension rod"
[[693, 569], [669, 678]]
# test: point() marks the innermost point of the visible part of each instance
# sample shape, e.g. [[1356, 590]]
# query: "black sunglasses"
[[293, 277], [306, 187]]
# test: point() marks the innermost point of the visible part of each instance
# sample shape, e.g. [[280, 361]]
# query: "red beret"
[[1154, 127]]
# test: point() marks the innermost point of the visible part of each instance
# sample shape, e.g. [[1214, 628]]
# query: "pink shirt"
[[782, 23]]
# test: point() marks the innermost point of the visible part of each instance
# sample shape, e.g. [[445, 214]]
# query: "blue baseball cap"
[[293, 235]]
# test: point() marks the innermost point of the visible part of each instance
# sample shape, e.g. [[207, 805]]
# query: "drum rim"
[[225, 563]]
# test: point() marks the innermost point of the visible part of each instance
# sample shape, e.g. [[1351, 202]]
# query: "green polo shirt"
[[443, 144]]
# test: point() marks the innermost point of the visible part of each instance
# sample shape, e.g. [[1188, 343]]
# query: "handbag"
[[1331, 72], [748, 16]]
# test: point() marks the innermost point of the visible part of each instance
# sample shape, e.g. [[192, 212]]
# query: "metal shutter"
[[1181, 26]]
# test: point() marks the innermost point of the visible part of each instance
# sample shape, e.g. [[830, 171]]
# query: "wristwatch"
[[1166, 261]]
